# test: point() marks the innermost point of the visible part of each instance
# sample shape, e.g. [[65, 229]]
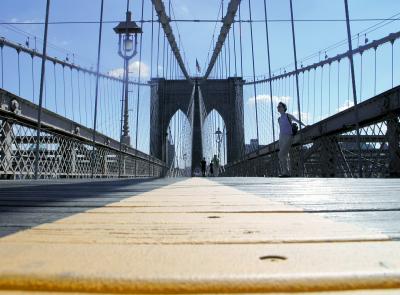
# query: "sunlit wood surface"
[[230, 235]]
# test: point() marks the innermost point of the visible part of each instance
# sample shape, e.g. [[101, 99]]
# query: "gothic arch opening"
[[179, 145], [214, 141]]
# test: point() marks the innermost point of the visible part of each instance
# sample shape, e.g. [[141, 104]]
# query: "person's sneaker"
[[284, 175]]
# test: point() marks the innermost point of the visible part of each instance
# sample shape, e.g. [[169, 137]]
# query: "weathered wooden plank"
[[200, 236], [200, 268]]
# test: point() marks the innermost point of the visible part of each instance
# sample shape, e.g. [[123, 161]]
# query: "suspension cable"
[[33, 78], [2, 64], [139, 77], [240, 41], [322, 80], [72, 96], [64, 91], [392, 42], [361, 74], [158, 50], [234, 47], [254, 74], [19, 73], [314, 96], [329, 90], [85, 94], [152, 41], [79, 98], [375, 48], [229, 54], [338, 86], [269, 70], [55, 86], [308, 96]]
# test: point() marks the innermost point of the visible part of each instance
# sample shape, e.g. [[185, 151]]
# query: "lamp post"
[[127, 48], [218, 133]]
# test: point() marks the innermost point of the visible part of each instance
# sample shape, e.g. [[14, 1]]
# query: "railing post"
[[353, 82], [297, 90], [42, 75], [97, 88], [6, 140]]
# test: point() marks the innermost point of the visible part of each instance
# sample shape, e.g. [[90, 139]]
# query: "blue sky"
[[196, 37], [311, 37]]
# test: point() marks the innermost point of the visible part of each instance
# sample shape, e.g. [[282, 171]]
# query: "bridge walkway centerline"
[[197, 235]]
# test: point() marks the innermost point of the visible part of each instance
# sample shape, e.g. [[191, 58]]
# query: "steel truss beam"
[[226, 26], [165, 22]]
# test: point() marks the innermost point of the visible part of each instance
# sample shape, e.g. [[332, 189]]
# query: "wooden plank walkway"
[[220, 235]]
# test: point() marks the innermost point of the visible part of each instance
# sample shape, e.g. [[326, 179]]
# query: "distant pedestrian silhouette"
[[211, 169], [203, 166]]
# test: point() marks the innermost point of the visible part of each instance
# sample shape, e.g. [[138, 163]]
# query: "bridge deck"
[[201, 236]]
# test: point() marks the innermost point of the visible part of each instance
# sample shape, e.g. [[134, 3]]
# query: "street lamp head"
[[128, 26], [127, 32]]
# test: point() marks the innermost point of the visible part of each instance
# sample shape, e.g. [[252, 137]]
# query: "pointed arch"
[[179, 147], [214, 137]]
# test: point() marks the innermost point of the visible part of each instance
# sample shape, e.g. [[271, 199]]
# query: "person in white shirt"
[[285, 137]]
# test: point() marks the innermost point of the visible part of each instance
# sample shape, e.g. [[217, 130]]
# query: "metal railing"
[[66, 149], [329, 147]]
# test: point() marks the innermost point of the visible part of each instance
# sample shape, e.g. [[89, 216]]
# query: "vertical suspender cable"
[[151, 72], [72, 96], [314, 95], [229, 55], [79, 98], [353, 81], [269, 70], [64, 93], [151, 45], [392, 42], [302, 89], [240, 42], [234, 47], [84, 86], [139, 77], [19, 73], [338, 85], [321, 90], [254, 73], [361, 74], [329, 90], [55, 86], [33, 78], [375, 48], [158, 50], [2, 65], [297, 86], [308, 95], [163, 56], [97, 86], [41, 89], [121, 125]]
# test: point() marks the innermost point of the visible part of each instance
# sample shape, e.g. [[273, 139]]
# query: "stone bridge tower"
[[169, 96]]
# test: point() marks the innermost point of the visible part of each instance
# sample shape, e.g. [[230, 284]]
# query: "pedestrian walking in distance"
[[203, 166]]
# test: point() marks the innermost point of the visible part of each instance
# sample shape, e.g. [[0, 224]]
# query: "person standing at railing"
[[286, 131]]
